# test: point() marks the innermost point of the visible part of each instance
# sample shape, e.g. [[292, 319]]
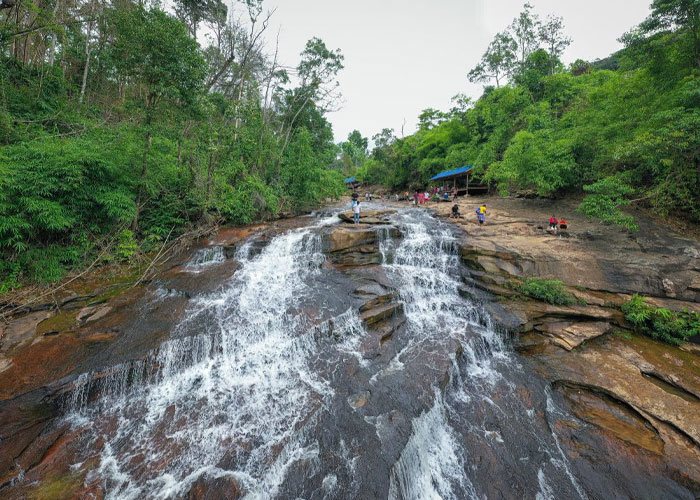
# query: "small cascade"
[[481, 411], [231, 393], [206, 257]]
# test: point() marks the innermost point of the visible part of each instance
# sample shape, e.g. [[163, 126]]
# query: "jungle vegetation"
[[122, 128], [622, 130]]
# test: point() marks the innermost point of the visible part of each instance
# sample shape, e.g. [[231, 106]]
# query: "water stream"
[[255, 383]]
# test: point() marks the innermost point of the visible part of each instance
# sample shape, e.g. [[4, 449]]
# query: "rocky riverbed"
[[315, 358]]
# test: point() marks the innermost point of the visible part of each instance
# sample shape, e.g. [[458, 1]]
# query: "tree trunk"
[[52, 45], [179, 154], [88, 51], [210, 175], [144, 171]]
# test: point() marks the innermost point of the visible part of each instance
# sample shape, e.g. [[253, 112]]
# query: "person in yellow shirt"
[[481, 214]]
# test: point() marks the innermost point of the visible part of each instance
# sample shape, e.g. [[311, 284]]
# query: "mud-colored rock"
[[21, 330], [570, 335], [370, 217], [380, 313]]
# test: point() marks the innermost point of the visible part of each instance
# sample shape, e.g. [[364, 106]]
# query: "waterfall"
[[480, 407], [255, 386], [233, 390]]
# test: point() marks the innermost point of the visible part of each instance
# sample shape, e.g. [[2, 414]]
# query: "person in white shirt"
[[356, 213]]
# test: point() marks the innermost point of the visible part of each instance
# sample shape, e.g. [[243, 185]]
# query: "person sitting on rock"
[[553, 222], [563, 225], [455, 211]]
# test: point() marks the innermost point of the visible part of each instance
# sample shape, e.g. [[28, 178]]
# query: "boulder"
[[21, 330], [371, 217], [380, 313], [570, 335]]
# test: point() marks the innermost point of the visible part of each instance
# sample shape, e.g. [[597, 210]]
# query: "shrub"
[[550, 291], [673, 327]]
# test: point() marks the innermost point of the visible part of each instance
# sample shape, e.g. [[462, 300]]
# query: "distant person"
[[553, 222], [427, 197], [455, 211], [415, 197], [563, 225], [481, 214], [356, 213], [446, 196]]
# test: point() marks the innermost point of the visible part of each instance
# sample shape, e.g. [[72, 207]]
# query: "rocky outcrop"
[[357, 245], [633, 389]]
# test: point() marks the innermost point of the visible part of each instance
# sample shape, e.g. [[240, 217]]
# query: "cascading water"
[[273, 383], [228, 400], [481, 403]]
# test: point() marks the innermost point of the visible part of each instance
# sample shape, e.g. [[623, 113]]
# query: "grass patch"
[[674, 327], [550, 291]]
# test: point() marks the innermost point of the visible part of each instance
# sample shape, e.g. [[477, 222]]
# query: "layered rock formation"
[[632, 388]]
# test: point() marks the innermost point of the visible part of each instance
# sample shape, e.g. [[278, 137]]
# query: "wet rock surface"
[[353, 361]]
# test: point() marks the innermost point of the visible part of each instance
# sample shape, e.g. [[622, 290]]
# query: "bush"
[[662, 324], [550, 291]]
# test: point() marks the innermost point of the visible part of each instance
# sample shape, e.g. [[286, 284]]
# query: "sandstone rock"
[[570, 335], [21, 330], [218, 488], [381, 313], [341, 238], [359, 400], [378, 301], [372, 217]]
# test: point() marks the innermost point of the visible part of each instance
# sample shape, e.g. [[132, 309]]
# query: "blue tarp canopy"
[[452, 173], [350, 179]]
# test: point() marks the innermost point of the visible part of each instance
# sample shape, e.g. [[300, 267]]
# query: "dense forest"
[[124, 126], [625, 129], [120, 128]]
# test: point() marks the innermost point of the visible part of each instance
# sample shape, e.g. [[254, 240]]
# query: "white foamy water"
[[206, 257], [435, 463], [232, 400]]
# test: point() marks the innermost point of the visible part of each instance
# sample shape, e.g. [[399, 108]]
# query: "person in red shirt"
[[553, 222], [563, 225]]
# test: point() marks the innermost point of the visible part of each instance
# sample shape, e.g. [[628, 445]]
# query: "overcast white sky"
[[402, 56]]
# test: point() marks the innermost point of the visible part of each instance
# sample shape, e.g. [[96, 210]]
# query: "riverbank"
[[642, 395], [424, 348]]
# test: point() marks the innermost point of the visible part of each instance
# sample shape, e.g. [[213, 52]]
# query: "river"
[[273, 387]]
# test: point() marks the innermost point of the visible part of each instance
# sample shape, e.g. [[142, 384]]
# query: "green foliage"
[[662, 324], [606, 198], [126, 245], [150, 135], [624, 130], [535, 160], [550, 291]]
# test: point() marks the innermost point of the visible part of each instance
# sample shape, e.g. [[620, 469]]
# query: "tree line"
[[622, 130], [124, 124]]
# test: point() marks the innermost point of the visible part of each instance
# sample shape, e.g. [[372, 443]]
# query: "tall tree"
[[497, 62], [154, 49], [682, 16], [551, 33], [524, 29]]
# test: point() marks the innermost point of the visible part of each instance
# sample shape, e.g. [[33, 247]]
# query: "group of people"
[[557, 224], [480, 213]]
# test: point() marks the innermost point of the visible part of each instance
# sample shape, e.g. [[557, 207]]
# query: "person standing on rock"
[[481, 214], [356, 213]]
